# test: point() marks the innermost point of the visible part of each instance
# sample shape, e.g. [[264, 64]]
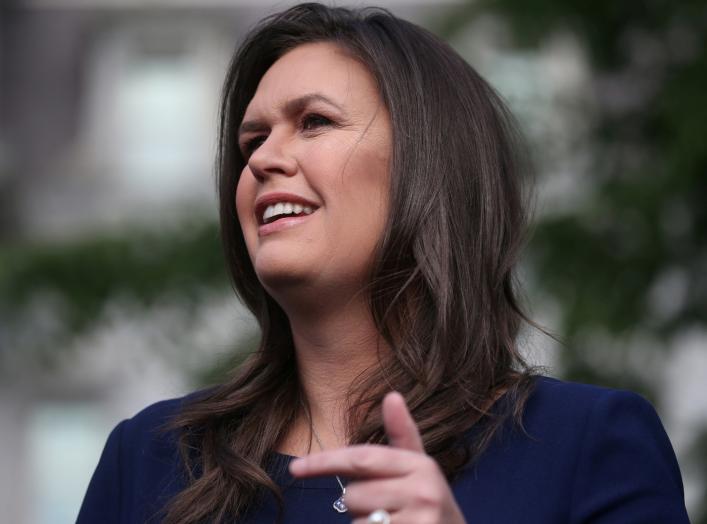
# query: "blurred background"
[[113, 292]]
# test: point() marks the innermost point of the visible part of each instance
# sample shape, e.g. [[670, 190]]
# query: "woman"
[[372, 215]]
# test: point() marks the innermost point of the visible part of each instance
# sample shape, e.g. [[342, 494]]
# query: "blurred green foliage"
[[81, 277], [143, 264]]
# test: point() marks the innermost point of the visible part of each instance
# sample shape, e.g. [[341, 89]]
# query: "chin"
[[280, 274]]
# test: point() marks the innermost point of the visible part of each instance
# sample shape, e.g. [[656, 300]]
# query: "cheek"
[[245, 201], [363, 209], [245, 197], [368, 185]]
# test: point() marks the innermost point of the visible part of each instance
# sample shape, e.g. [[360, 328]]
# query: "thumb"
[[399, 425]]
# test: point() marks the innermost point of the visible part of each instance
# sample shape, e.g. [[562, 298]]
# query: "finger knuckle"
[[364, 459], [429, 497], [430, 465]]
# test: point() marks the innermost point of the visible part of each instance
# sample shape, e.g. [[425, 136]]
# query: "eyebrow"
[[291, 107]]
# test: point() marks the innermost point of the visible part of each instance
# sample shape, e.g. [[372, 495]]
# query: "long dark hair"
[[442, 293]]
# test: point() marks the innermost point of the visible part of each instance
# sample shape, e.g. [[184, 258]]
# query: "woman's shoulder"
[[158, 415], [558, 404], [151, 426], [565, 414], [140, 467], [563, 392], [581, 451], [553, 396]]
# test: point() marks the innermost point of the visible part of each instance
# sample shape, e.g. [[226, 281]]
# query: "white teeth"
[[269, 212], [285, 208]]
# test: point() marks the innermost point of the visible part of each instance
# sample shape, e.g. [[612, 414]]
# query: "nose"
[[272, 157]]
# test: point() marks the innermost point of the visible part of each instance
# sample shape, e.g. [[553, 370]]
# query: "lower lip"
[[282, 224]]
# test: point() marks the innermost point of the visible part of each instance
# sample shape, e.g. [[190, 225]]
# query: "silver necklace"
[[338, 504]]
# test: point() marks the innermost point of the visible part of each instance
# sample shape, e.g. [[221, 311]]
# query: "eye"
[[312, 121], [251, 145]]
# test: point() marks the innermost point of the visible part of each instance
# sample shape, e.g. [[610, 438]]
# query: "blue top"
[[594, 455]]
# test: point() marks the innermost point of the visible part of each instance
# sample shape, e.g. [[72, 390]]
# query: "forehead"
[[322, 68]]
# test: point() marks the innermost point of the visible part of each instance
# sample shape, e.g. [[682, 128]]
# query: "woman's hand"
[[400, 479]]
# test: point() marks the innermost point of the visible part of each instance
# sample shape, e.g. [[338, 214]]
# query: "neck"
[[333, 346]]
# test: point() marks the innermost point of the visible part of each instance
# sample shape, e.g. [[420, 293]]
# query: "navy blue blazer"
[[590, 455]]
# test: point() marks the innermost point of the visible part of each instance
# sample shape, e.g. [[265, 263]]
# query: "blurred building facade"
[[108, 120]]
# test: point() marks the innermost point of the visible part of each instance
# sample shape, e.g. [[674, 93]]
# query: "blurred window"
[[64, 443]]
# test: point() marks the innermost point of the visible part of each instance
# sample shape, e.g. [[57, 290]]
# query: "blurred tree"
[[631, 260], [77, 280]]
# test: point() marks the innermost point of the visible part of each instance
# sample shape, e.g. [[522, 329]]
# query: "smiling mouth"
[[275, 212]]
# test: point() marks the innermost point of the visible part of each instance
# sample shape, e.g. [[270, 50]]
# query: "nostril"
[[261, 173], [256, 174]]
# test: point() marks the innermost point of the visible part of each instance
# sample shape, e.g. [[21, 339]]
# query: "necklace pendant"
[[339, 504]]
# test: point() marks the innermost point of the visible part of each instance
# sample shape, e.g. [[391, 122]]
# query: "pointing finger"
[[399, 425]]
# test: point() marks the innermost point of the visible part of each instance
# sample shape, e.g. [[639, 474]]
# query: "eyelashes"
[[309, 122], [313, 121], [252, 144]]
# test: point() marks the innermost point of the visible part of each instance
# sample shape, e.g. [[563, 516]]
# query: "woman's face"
[[312, 198]]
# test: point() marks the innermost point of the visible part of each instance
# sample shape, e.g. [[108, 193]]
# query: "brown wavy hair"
[[442, 293]]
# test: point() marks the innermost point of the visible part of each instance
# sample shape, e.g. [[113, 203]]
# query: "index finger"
[[399, 425], [365, 460]]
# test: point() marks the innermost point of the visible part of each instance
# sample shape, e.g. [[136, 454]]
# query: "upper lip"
[[273, 198]]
